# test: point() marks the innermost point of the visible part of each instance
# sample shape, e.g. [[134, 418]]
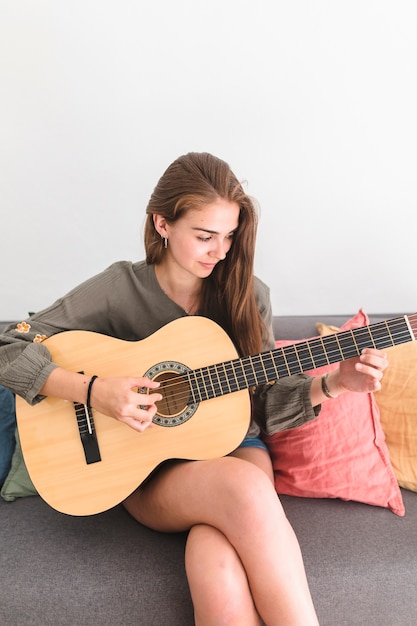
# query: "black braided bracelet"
[[325, 388], [90, 385]]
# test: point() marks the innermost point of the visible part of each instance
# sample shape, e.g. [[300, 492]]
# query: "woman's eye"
[[204, 238]]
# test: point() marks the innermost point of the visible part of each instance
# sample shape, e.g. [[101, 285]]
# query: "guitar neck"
[[269, 366]]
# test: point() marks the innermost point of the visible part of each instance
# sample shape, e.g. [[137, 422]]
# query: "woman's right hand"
[[119, 398]]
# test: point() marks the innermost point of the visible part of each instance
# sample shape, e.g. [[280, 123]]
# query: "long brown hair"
[[194, 180]]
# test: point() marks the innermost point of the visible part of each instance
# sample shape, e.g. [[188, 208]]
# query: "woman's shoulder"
[[128, 267], [262, 290], [130, 270]]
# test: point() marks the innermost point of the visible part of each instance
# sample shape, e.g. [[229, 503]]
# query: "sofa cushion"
[[342, 454]]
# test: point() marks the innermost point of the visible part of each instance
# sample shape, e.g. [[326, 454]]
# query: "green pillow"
[[17, 483]]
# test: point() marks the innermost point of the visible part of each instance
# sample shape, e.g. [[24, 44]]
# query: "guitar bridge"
[[87, 432]]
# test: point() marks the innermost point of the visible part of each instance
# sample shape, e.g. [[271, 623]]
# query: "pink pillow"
[[342, 454]]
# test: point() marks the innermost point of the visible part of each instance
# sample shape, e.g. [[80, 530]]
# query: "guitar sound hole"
[[176, 394], [177, 404]]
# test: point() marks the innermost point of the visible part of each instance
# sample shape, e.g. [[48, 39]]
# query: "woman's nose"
[[219, 250]]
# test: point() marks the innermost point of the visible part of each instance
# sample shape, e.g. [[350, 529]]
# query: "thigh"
[[181, 494], [171, 500]]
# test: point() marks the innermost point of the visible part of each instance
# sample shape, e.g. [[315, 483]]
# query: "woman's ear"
[[160, 225]]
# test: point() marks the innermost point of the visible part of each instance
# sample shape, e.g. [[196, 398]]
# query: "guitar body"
[[50, 436]]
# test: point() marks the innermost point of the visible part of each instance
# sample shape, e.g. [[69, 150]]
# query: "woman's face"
[[201, 238]]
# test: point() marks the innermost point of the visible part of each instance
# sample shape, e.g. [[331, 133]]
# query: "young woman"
[[243, 560]]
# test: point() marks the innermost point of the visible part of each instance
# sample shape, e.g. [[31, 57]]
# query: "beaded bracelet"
[[325, 388], [90, 384]]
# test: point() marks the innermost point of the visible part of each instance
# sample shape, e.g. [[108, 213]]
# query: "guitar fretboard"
[[269, 366]]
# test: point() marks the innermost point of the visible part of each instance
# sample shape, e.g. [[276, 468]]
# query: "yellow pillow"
[[397, 404], [326, 329]]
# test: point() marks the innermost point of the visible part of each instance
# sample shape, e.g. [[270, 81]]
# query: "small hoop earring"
[[165, 240]]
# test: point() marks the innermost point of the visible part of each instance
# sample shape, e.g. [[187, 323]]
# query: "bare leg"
[[238, 500], [218, 583]]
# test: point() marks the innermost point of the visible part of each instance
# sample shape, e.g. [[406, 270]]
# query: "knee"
[[207, 549], [248, 488], [217, 579]]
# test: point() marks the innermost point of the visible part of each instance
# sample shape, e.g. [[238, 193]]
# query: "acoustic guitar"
[[83, 462]]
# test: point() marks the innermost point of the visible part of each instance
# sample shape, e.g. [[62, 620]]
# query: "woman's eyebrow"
[[212, 232]]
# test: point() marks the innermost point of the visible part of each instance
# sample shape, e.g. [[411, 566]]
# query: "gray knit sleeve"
[[25, 363], [283, 405]]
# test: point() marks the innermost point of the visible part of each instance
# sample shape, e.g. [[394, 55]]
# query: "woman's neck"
[[186, 292]]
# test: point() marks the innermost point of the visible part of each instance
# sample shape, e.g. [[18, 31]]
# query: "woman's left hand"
[[362, 374]]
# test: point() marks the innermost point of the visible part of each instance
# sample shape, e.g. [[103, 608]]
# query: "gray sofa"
[[361, 560]]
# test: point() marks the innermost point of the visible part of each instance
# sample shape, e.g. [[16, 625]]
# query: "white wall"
[[312, 102]]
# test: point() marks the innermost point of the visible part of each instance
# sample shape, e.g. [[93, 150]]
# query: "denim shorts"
[[253, 442]]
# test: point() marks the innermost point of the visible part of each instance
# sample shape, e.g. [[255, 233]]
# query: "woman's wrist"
[[67, 385], [329, 385], [325, 387]]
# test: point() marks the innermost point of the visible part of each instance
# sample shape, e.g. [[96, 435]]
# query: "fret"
[[333, 349], [247, 385], [280, 363], [287, 365], [269, 366], [195, 386], [381, 338], [239, 373], [291, 360], [366, 338], [205, 375], [304, 355], [226, 378], [192, 387], [217, 384], [262, 362], [273, 364], [317, 347], [232, 376], [347, 348], [357, 351], [250, 371], [214, 383], [200, 383], [338, 345]]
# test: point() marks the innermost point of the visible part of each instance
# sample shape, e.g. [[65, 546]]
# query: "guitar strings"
[[293, 361], [291, 356]]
